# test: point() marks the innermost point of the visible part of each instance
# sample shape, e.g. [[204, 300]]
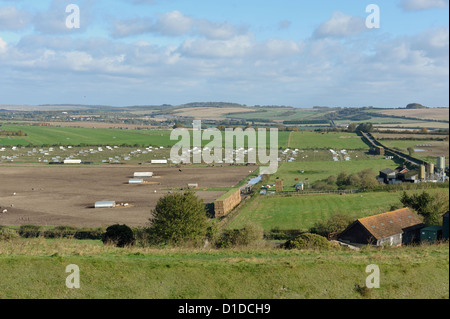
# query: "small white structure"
[[192, 185], [143, 174], [72, 161], [135, 181], [159, 161], [105, 204]]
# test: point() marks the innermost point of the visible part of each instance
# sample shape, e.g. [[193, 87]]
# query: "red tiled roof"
[[390, 223]]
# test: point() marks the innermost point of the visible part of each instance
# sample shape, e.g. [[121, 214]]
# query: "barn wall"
[[357, 234]]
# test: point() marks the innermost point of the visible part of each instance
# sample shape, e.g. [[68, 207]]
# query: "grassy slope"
[[36, 269], [302, 212]]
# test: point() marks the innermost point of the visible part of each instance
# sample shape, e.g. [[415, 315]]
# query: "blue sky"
[[284, 52]]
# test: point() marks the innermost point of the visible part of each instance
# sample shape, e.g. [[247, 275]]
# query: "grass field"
[[39, 135], [313, 140], [315, 170], [36, 269], [276, 114], [301, 212]]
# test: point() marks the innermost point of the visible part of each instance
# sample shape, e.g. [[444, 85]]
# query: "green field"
[[302, 212], [328, 140], [276, 114], [322, 169], [40, 135], [36, 269]]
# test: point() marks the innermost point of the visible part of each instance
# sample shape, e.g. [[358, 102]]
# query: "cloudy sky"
[[265, 52]]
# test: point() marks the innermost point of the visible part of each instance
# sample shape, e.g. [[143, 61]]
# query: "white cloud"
[[3, 46], [416, 5], [340, 25], [12, 19], [173, 24], [53, 20]]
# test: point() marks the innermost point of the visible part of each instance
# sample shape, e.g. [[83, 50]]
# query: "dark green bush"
[[119, 235], [29, 231], [307, 241], [246, 236]]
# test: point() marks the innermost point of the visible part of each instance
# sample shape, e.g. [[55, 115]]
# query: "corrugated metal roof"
[[390, 223], [104, 203]]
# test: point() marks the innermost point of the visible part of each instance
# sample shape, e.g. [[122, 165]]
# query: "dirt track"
[[65, 195]]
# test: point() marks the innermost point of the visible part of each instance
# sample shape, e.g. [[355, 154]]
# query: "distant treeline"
[[13, 133], [405, 117], [306, 122]]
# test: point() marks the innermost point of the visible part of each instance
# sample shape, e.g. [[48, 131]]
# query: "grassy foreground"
[[35, 268]]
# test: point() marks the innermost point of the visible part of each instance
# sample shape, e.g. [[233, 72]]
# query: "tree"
[[352, 127], [335, 224], [430, 207], [410, 150], [365, 127], [178, 218], [119, 235]]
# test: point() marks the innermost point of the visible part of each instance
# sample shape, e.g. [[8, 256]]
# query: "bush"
[[307, 241], [119, 235], [250, 234], [29, 231], [8, 234]]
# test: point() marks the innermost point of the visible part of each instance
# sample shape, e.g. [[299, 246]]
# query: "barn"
[[394, 228]]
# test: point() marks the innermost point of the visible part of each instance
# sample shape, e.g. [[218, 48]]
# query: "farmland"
[[330, 140], [302, 212], [36, 193], [65, 195], [315, 170], [40, 135]]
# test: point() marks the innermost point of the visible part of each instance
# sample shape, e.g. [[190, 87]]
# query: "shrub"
[[8, 234], [119, 235], [250, 234], [29, 231], [307, 241]]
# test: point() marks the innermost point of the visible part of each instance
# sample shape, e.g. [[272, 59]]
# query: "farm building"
[[394, 228], [431, 234], [399, 175], [72, 161], [445, 226], [105, 204], [159, 161], [387, 175], [143, 174], [135, 181], [192, 186]]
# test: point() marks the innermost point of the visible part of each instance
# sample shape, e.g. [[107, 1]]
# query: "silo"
[[441, 162], [422, 172], [430, 167]]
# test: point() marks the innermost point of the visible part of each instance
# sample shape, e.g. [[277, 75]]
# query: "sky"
[[284, 52]]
